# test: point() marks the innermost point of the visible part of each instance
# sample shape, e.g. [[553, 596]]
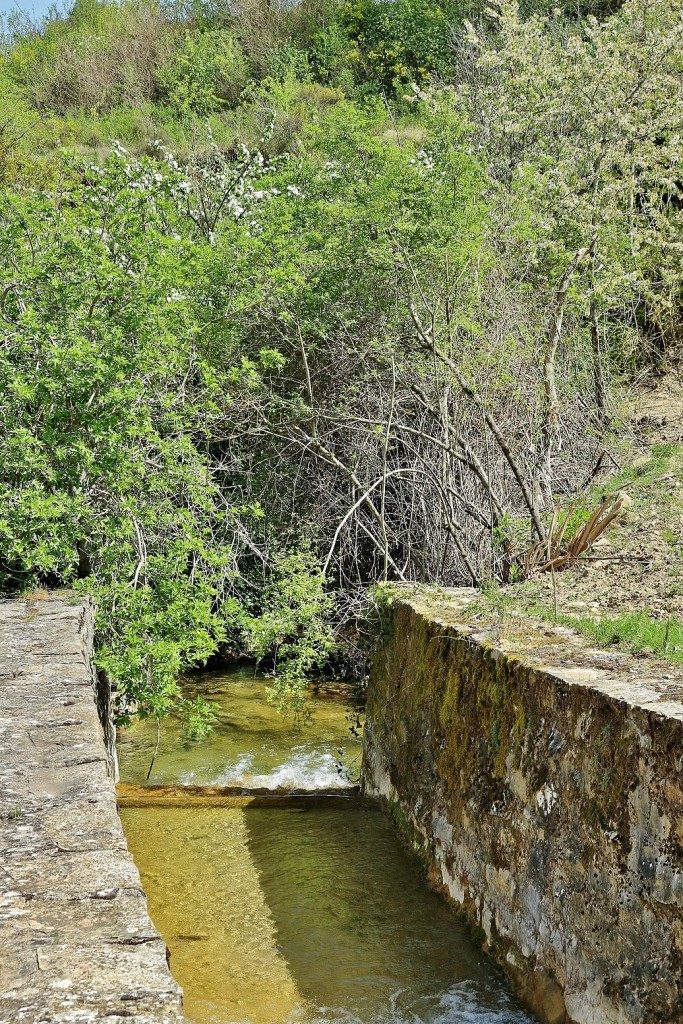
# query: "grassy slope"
[[629, 590]]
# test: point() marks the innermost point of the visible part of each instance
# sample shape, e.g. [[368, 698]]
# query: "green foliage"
[[17, 124], [207, 72], [288, 61], [594, 184], [205, 352], [294, 631], [369, 212], [402, 41], [334, 56], [109, 406], [100, 55], [200, 716]]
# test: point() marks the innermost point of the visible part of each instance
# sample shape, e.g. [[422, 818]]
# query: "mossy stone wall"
[[550, 812]]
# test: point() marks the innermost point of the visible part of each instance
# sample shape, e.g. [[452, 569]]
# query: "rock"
[[627, 514], [76, 941], [547, 999]]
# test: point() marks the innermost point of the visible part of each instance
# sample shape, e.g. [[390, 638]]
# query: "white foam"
[[460, 1004], [235, 773], [305, 769], [231, 776]]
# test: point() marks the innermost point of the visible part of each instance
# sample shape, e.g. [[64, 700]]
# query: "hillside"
[[627, 590], [296, 300]]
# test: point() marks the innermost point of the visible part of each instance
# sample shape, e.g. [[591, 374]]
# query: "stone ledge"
[[76, 941], [646, 683]]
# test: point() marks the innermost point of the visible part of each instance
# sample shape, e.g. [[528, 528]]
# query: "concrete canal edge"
[[542, 783], [76, 940]]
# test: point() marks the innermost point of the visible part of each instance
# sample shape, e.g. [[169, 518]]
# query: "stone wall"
[[545, 790], [76, 941]]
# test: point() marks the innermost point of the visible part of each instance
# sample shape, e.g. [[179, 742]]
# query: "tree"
[[109, 409], [581, 128]]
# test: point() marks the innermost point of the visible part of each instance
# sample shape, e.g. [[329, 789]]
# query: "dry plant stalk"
[[552, 555]]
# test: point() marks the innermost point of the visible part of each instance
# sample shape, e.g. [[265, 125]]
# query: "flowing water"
[[296, 915], [252, 745]]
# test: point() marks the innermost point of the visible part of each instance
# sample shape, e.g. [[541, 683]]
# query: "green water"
[[298, 915], [252, 744]]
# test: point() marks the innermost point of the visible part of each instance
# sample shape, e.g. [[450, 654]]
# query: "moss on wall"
[[547, 811]]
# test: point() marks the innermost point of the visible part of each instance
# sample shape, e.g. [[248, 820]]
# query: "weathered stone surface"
[[76, 941], [547, 797]]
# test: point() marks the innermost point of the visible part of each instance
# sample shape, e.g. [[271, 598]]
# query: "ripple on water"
[[307, 916], [252, 745]]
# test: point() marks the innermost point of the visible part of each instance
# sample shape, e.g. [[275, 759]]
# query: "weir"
[[129, 796]]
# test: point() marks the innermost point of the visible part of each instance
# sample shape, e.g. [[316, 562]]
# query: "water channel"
[[309, 914]]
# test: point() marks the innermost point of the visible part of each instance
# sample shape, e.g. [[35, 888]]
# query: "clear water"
[[298, 915], [252, 745]]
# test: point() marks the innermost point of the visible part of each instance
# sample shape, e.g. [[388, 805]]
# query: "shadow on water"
[[364, 938], [300, 914]]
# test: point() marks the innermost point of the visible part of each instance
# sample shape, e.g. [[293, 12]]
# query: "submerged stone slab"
[[76, 941], [543, 782], [129, 795]]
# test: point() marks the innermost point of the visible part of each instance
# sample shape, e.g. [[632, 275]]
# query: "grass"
[[14, 812], [643, 482], [675, 541], [633, 631]]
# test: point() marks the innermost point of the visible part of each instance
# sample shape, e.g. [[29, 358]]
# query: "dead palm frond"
[[552, 554]]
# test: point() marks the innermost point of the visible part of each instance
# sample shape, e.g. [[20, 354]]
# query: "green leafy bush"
[[108, 406], [208, 72], [294, 632], [404, 40]]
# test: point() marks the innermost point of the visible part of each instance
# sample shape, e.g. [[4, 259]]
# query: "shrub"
[[208, 72], [100, 56]]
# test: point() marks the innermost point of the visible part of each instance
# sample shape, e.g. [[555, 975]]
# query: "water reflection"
[[252, 744], [307, 916]]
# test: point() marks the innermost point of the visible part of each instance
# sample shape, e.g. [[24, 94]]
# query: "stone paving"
[[76, 941]]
